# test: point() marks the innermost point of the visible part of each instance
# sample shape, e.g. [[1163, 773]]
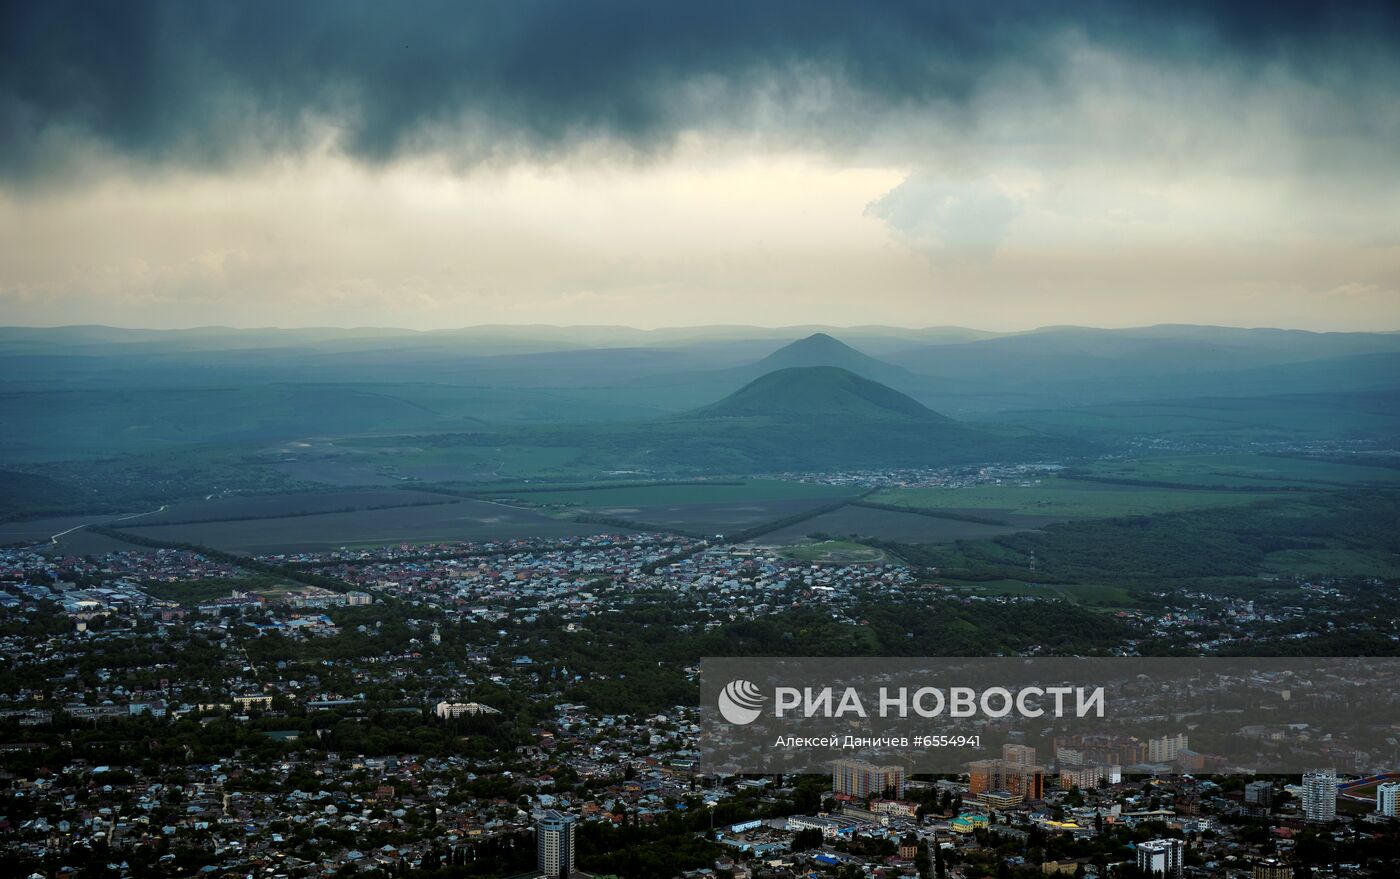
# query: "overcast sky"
[[1000, 165]]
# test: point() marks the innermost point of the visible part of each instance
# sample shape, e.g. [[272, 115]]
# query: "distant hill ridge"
[[820, 392]]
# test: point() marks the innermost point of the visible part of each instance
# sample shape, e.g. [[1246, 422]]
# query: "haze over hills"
[[934, 365], [1080, 352], [74, 392], [823, 417], [483, 340], [821, 349], [102, 407], [819, 392]]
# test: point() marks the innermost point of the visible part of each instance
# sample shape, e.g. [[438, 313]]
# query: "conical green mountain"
[[824, 417], [820, 392]]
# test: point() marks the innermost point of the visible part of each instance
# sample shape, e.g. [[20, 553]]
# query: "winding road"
[[161, 508]]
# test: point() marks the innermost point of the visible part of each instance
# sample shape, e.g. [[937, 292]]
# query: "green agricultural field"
[[1239, 420], [219, 508], [1246, 471], [835, 552], [463, 519], [398, 458], [122, 483], [1096, 595], [1350, 533], [683, 493], [1064, 498], [855, 520], [718, 507], [998, 587]]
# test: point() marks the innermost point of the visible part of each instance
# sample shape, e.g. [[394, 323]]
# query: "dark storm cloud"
[[199, 84]]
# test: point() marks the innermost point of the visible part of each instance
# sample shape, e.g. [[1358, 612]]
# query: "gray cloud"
[[211, 84], [966, 216]]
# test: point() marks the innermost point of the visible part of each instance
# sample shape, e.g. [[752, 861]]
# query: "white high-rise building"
[[1320, 796], [1388, 799], [1162, 857], [554, 843]]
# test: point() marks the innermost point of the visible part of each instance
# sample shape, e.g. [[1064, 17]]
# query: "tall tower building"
[[1162, 857], [1388, 799], [1320, 796], [554, 843]]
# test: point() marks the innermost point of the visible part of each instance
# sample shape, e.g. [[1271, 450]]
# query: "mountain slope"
[[819, 392], [820, 349], [814, 418]]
